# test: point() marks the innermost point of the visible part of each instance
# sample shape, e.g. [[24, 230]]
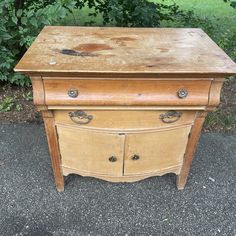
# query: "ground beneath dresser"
[[30, 204]]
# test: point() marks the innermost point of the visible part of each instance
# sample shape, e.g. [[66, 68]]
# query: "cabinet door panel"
[[155, 152], [89, 151]]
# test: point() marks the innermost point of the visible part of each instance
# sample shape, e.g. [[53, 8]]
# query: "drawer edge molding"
[[125, 178], [126, 131], [131, 108]]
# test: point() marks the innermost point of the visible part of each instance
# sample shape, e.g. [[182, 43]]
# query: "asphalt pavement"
[[30, 204]]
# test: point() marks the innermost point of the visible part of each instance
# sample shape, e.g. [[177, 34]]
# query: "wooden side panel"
[[53, 149], [126, 92], [157, 151], [214, 96], [124, 120], [190, 150], [38, 90], [90, 151]]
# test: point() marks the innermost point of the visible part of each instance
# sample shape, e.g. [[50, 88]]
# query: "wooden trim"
[[53, 149], [215, 92], [124, 78], [41, 108], [38, 90], [133, 178], [190, 150], [127, 131], [130, 108], [128, 74]]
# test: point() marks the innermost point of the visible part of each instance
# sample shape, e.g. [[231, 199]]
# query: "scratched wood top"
[[99, 51]]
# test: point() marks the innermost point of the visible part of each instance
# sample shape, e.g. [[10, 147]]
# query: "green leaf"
[[19, 13], [24, 20], [33, 22], [14, 19]]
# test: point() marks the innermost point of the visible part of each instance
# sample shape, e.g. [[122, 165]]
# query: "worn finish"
[[128, 121], [53, 148], [124, 104], [156, 150], [120, 51], [190, 149], [126, 92], [90, 151]]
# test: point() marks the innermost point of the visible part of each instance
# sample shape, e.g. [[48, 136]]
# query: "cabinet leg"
[[53, 149], [190, 149]]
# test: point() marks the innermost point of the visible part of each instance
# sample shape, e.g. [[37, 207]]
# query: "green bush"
[[19, 25], [135, 13]]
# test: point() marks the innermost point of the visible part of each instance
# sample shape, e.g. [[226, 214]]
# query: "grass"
[[216, 10], [219, 12], [209, 8]]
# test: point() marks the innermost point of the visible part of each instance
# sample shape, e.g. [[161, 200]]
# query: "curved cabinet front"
[[91, 153], [162, 151], [122, 157]]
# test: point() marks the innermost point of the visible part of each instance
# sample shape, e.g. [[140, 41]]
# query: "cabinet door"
[[159, 152], [91, 152]]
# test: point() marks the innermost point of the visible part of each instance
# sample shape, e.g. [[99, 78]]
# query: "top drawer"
[[126, 92]]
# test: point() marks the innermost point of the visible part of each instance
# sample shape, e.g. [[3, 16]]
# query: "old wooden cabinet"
[[124, 104]]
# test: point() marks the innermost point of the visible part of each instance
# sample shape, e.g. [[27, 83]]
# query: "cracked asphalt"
[[30, 204]]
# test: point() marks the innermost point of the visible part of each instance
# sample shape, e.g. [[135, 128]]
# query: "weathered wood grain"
[[125, 92], [94, 51]]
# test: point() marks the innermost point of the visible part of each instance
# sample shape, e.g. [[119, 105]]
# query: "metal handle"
[[73, 93], [112, 159], [182, 93], [135, 157], [170, 116], [80, 117]]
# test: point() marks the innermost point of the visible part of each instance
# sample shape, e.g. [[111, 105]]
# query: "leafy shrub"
[[6, 104], [19, 24], [135, 13]]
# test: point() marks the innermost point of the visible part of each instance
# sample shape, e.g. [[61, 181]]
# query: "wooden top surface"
[[99, 51]]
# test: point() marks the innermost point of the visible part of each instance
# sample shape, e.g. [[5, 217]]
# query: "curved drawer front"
[[126, 92], [124, 120]]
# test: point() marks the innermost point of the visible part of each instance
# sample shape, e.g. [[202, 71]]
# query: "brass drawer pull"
[[73, 93], [170, 116], [182, 93], [112, 159], [80, 117], [135, 157]]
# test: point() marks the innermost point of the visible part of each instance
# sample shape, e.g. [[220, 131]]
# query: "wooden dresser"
[[124, 104]]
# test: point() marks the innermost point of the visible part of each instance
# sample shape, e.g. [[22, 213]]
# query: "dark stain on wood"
[[71, 52], [92, 47]]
